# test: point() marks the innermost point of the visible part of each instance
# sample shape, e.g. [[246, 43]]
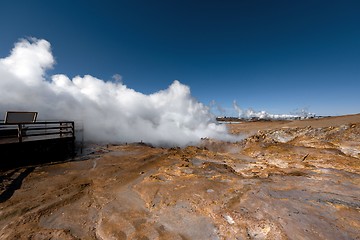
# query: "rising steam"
[[110, 111], [250, 113]]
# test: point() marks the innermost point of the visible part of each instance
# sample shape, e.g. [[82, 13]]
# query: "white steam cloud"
[[110, 111]]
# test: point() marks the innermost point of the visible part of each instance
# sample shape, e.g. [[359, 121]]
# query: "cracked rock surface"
[[284, 180]]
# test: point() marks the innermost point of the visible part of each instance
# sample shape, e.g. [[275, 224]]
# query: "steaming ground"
[[111, 112], [250, 113], [286, 180]]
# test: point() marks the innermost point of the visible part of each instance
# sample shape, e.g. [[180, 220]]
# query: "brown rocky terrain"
[[284, 180]]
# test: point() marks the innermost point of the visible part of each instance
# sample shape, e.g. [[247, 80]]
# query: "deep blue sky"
[[267, 55]]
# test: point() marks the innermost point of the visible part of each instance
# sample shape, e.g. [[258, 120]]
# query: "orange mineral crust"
[[284, 180]]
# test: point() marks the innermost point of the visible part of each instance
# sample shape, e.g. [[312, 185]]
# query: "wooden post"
[[61, 124], [73, 139], [20, 133], [73, 129]]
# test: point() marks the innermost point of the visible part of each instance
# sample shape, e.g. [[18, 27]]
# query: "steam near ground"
[[110, 111], [250, 113]]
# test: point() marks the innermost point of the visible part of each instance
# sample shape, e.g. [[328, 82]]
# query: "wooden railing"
[[36, 130]]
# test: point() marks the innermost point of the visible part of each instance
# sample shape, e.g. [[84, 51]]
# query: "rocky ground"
[[284, 180]]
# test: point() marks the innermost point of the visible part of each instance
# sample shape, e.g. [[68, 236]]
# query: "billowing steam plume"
[[110, 111]]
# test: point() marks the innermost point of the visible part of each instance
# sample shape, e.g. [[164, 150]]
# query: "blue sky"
[[276, 56]]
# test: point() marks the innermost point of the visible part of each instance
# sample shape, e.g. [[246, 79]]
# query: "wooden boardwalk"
[[22, 144]]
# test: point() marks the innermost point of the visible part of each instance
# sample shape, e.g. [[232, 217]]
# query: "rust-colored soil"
[[285, 180]]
